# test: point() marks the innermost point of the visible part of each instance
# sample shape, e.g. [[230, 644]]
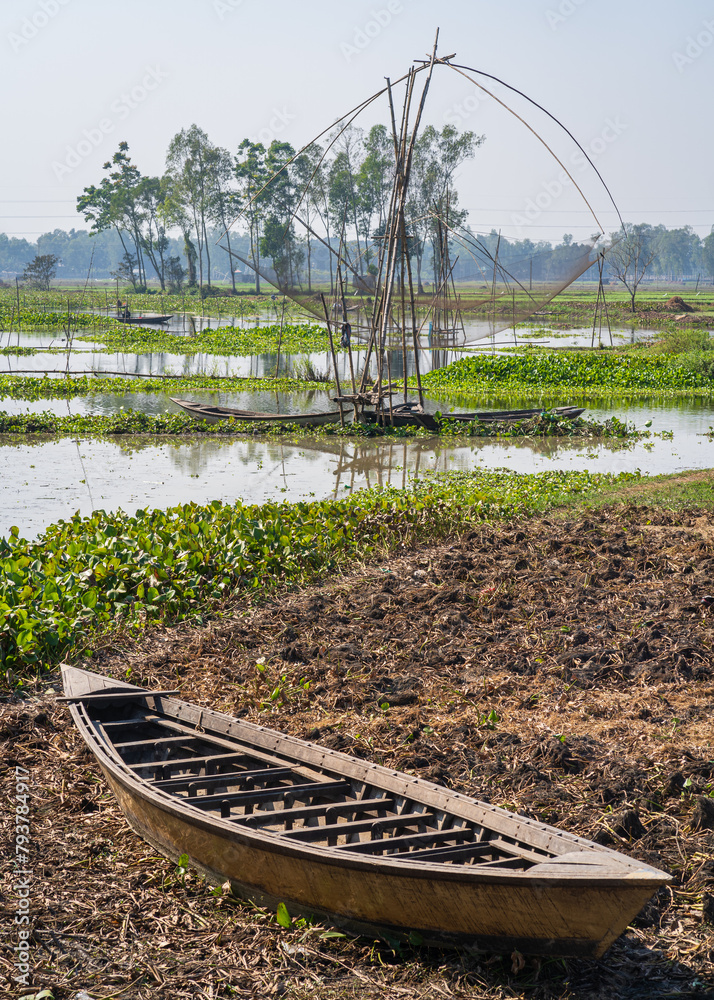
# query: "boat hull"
[[401, 418], [144, 320], [216, 414], [575, 901], [536, 917]]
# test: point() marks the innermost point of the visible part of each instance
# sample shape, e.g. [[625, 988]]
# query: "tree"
[[313, 177], [629, 257], [678, 250], [708, 253], [40, 271], [437, 156], [152, 239], [223, 199], [374, 183], [311, 198], [175, 274], [279, 241], [252, 175], [343, 198], [130, 204], [191, 162]]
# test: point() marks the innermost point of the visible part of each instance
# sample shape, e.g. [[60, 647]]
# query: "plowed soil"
[[561, 668]]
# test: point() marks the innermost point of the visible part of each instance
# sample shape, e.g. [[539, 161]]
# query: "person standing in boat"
[[123, 310]]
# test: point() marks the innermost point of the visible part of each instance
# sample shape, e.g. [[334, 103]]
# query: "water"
[[43, 481]]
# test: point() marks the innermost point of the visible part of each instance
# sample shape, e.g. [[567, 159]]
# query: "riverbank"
[[558, 661]]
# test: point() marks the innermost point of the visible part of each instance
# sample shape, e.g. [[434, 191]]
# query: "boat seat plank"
[[227, 778], [249, 798], [289, 816], [505, 863], [214, 760], [331, 831], [231, 744], [404, 844], [519, 851], [460, 852], [116, 695], [160, 741], [133, 721]]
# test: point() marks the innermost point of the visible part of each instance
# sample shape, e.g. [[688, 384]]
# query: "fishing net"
[[368, 288]]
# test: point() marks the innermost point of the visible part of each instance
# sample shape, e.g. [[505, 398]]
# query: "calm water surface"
[[43, 481], [48, 480]]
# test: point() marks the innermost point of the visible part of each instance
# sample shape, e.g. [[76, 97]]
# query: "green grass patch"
[[678, 491], [92, 575]]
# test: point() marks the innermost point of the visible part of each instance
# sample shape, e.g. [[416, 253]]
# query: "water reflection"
[[43, 481]]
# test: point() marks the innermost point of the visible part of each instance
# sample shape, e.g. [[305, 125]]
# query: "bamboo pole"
[[280, 338], [349, 342], [334, 357]]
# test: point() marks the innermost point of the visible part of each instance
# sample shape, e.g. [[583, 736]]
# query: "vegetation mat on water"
[[568, 370], [230, 340], [43, 386], [94, 573], [135, 422], [561, 666], [39, 319]]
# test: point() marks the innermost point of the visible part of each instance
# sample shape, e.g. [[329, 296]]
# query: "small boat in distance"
[[365, 847], [214, 414], [144, 320]]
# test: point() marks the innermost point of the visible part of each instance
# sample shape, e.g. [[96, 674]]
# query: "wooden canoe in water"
[[344, 839], [214, 414], [408, 415]]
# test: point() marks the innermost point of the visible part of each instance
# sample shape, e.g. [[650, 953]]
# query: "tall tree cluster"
[[265, 210], [289, 208]]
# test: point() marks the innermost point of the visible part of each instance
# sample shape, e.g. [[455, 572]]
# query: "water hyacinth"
[[571, 370], [93, 574]]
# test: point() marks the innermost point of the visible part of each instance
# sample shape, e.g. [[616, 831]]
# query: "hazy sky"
[[631, 79]]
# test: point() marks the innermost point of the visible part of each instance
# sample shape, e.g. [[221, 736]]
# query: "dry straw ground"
[[561, 668]]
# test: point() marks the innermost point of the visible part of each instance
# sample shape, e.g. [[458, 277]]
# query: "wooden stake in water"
[[334, 356], [280, 337]]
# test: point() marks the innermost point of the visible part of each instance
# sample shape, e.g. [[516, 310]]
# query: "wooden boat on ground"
[[214, 414], [344, 839], [144, 320], [412, 415]]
